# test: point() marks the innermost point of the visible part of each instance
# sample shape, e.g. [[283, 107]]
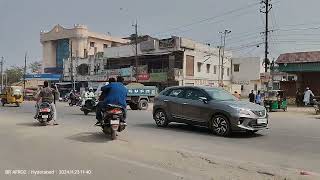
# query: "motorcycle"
[[111, 123], [316, 106], [75, 101], [45, 114], [90, 105]]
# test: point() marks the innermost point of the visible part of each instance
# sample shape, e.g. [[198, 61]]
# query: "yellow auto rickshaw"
[[12, 95]]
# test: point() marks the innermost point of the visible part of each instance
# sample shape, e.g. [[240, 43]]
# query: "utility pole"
[[71, 66], [24, 75], [1, 64], [267, 7], [136, 49], [223, 50]]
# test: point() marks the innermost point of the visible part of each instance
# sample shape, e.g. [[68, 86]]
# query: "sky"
[[295, 24]]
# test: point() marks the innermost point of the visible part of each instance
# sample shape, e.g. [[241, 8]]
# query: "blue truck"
[[139, 96]]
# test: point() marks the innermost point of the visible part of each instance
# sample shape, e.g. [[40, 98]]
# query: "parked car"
[[211, 107]]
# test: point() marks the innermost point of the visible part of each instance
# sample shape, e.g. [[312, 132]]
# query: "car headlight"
[[242, 112]]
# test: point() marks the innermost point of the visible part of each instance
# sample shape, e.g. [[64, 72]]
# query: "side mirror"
[[203, 99]]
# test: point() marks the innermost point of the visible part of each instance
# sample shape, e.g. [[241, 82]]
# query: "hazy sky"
[[296, 23]]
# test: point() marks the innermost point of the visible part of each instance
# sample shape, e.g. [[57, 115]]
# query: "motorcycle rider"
[[47, 94], [88, 94], [113, 93]]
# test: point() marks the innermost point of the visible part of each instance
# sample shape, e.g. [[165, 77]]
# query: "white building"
[[172, 61], [246, 72]]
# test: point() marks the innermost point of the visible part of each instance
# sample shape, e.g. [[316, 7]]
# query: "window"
[[176, 93], [85, 53], [194, 94], [220, 94], [255, 87], [91, 44], [199, 66], [228, 71], [215, 69], [105, 46], [208, 68], [236, 67], [190, 65]]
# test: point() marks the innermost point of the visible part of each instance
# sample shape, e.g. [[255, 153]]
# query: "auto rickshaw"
[[274, 100], [12, 95]]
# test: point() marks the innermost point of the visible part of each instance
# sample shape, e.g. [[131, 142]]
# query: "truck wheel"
[[143, 104], [134, 106]]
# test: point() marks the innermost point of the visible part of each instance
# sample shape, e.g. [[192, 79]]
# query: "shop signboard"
[[158, 77]]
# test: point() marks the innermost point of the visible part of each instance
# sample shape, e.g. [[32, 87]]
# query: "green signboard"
[[305, 67], [158, 77]]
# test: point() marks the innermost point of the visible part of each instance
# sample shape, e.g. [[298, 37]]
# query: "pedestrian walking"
[[258, 98], [308, 94], [252, 96]]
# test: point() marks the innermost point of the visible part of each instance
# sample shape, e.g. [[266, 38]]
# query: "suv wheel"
[[160, 118], [220, 125]]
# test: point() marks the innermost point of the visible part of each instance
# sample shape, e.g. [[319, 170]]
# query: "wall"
[[250, 69], [206, 55], [49, 54]]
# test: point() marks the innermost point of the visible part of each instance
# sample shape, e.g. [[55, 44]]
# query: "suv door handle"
[[184, 103], [166, 100]]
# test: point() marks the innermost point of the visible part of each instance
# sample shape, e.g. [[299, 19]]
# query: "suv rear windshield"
[[220, 95]]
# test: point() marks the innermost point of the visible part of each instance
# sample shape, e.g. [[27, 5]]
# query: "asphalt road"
[[145, 151]]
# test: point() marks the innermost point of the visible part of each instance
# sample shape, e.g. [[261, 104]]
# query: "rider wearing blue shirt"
[[113, 93]]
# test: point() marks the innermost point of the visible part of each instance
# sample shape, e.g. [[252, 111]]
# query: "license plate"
[[262, 121], [45, 116], [114, 122]]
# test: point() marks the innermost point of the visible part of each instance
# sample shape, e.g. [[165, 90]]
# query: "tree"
[[14, 74], [35, 67]]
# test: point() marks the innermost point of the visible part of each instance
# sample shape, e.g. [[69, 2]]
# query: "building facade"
[[246, 72], [160, 62], [61, 43], [171, 61], [306, 67]]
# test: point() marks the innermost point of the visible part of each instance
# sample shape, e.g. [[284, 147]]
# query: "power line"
[[208, 19]]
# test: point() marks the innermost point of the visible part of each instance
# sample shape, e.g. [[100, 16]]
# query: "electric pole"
[[24, 75], [136, 48], [267, 7], [223, 50], [1, 64], [71, 66]]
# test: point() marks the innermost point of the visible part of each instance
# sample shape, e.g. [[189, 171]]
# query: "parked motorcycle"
[[45, 114], [316, 106], [112, 121], [90, 105]]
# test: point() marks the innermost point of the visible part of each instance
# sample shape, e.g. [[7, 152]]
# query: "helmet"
[[90, 89]]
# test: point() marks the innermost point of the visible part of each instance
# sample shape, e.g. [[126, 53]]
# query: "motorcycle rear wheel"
[[113, 134]]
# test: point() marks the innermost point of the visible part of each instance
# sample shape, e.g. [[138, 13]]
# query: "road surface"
[[76, 149]]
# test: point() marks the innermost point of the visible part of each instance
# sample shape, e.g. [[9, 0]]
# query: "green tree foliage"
[[14, 74], [35, 67]]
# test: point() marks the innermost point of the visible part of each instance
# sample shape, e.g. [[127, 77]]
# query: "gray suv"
[[211, 107]]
